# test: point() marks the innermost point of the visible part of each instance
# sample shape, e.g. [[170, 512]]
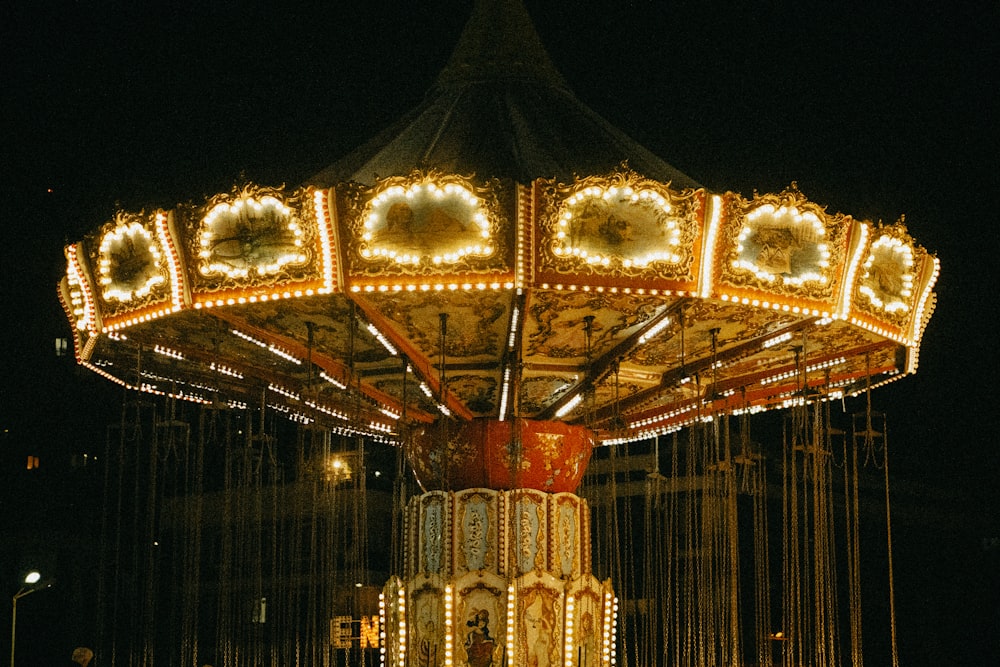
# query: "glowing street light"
[[31, 584]]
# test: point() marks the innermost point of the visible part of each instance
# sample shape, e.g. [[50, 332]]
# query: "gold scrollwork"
[[427, 223], [620, 225], [886, 277], [253, 236], [784, 244], [131, 265]]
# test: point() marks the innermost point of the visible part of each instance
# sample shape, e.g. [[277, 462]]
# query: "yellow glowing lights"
[[130, 264], [617, 225], [511, 597], [449, 626], [401, 627], [783, 242], [325, 238], [382, 617], [887, 278], [426, 222], [570, 642], [81, 298], [249, 236]]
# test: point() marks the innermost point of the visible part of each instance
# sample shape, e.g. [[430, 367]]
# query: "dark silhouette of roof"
[[499, 108]]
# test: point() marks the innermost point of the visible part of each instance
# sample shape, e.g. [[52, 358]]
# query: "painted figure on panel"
[[539, 621], [426, 637], [479, 644]]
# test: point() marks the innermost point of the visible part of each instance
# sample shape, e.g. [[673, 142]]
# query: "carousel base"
[[496, 578]]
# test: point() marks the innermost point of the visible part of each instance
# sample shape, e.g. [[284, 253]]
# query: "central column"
[[498, 576]]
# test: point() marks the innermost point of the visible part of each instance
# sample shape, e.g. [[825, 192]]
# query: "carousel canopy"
[[499, 109], [500, 252]]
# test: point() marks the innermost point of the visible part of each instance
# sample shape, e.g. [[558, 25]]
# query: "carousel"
[[496, 290]]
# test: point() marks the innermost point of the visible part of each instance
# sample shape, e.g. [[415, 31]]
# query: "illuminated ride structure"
[[497, 286]]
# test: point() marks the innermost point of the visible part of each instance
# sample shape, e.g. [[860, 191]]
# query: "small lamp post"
[[31, 585]]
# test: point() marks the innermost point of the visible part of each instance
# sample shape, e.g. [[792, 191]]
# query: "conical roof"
[[500, 109]]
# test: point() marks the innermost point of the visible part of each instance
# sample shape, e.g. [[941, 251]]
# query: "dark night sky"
[[877, 109]]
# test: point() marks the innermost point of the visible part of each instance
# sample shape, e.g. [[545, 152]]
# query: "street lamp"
[[31, 584]]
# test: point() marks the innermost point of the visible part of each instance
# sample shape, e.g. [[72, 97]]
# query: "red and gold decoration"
[[516, 454], [498, 577], [613, 302], [458, 298]]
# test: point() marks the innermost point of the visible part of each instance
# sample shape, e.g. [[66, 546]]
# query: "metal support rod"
[[13, 628], [13, 614]]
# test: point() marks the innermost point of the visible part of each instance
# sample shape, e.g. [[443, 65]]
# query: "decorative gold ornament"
[[621, 226], [131, 264], [886, 279], [250, 234], [784, 244], [424, 224]]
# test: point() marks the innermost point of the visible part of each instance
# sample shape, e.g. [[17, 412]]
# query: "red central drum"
[[486, 453]]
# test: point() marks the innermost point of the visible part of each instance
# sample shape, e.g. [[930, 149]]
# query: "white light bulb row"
[[569, 644], [600, 289], [226, 370], [173, 260], [273, 349], [254, 298], [777, 340], [373, 330], [708, 251], [791, 213], [327, 410], [783, 307], [332, 380], [608, 630], [287, 393], [325, 240], [625, 194], [811, 368], [382, 618], [655, 329], [918, 320], [290, 414], [512, 332], [614, 631], [168, 352], [431, 287], [449, 626], [505, 393], [379, 427], [569, 406], [511, 623], [82, 297], [648, 421]]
